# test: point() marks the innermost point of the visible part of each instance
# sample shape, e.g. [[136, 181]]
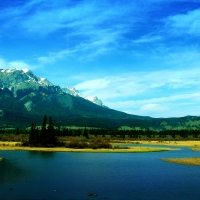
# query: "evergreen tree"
[[43, 135], [51, 137], [17, 131]]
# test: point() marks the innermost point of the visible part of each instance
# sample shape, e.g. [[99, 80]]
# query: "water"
[[115, 176]]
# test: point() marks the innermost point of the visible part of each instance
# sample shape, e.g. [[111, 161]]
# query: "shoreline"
[[137, 149]]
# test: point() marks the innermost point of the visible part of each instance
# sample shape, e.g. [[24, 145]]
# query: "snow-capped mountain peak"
[[74, 92], [15, 76]]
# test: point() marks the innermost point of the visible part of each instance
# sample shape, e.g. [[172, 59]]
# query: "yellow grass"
[[194, 144], [11, 146], [1, 159], [185, 161]]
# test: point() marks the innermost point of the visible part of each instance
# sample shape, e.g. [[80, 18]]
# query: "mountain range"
[[25, 98]]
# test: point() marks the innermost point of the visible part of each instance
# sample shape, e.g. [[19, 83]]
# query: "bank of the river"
[[1, 159], [16, 146]]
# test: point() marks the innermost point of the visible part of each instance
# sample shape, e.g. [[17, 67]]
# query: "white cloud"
[[3, 63], [18, 64], [15, 64], [152, 107], [93, 84]]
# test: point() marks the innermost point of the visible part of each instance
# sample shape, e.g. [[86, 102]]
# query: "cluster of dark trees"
[[122, 133], [45, 137]]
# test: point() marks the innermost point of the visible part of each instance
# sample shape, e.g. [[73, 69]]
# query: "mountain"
[[25, 98]]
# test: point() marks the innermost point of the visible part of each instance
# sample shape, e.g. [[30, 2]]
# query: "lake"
[[115, 176]]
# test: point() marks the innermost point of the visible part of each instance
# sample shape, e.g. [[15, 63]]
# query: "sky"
[[140, 57]]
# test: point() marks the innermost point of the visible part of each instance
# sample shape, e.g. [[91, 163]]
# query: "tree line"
[[48, 133]]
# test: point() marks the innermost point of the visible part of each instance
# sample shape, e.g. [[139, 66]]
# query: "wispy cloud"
[[92, 27], [188, 23], [53, 57]]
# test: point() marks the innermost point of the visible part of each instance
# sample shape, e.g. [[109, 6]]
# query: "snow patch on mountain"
[[11, 70]]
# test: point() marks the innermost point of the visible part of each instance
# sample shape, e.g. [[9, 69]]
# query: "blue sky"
[[141, 57]]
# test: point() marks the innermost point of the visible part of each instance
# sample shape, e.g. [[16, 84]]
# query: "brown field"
[[184, 161]]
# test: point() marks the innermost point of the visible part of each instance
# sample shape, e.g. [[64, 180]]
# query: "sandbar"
[[184, 161]]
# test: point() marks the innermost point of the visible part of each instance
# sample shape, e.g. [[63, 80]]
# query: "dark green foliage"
[[134, 134], [46, 137]]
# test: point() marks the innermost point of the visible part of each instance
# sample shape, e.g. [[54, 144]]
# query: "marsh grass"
[[184, 161]]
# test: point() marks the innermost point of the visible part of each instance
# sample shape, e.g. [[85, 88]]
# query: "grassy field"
[[184, 161]]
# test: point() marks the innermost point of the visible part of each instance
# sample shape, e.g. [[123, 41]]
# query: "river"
[[113, 176]]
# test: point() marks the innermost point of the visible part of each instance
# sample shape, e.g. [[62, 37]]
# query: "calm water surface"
[[121, 176]]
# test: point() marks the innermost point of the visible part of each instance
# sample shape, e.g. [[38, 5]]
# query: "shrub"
[[73, 143], [100, 143]]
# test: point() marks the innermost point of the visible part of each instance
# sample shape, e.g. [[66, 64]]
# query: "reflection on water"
[[10, 171], [41, 154]]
